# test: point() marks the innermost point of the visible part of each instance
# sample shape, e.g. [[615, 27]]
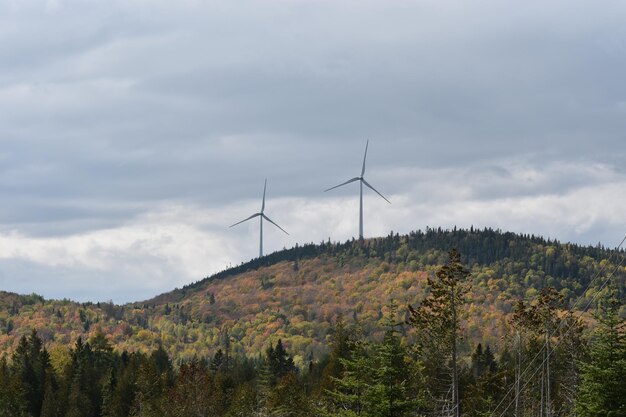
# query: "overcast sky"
[[132, 133]]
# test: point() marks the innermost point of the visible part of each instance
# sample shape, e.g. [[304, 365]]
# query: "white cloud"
[[131, 132], [178, 244]]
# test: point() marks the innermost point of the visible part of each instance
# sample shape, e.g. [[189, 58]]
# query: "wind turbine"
[[261, 216], [362, 181]]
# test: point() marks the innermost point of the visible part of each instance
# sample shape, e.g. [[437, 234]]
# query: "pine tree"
[[217, 361], [245, 402], [12, 400], [547, 336], [438, 318], [288, 398], [389, 395], [340, 351], [279, 361], [484, 387], [84, 396], [162, 362], [50, 401], [152, 384], [483, 361], [31, 363], [191, 394], [264, 384], [347, 397], [602, 389], [108, 395], [78, 403]]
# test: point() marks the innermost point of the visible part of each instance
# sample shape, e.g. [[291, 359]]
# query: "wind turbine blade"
[[364, 156], [269, 220], [245, 220], [376, 191], [347, 182], [264, 188]]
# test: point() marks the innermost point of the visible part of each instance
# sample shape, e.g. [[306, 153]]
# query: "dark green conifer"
[[438, 321], [602, 389]]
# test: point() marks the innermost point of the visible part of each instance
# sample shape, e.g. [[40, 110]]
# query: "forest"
[[513, 326]]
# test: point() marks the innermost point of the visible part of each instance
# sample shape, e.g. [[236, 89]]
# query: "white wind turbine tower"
[[261, 216], [362, 181]]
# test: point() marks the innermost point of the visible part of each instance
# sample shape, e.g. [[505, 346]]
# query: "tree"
[[78, 403], [191, 394], [376, 379], [12, 401], [484, 389], [347, 396], [217, 361], [602, 390], [438, 318], [31, 366], [483, 361], [50, 406], [340, 351], [84, 397], [246, 402], [288, 398], [152, 384], [548, 336], [389, 395], [279, 361]]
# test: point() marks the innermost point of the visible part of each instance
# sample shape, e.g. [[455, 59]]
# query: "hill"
[[297, 294]]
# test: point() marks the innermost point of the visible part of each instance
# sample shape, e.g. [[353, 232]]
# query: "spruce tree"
[[279, 361], [484, 386], [288, 398], [50, 402], [438, 319], [602, 389], [389, 394], [340, 351], [548, 337], [347, 397], [12, 400]]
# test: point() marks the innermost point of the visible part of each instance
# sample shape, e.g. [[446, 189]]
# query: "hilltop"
[[297, 294]]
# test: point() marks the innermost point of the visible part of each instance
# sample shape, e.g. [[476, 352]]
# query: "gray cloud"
[[482, 113]]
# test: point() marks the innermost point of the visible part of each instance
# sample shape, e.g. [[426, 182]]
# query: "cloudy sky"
[[133, 132]]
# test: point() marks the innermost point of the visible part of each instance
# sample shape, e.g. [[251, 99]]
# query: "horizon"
[[133, 134], [228, 268]]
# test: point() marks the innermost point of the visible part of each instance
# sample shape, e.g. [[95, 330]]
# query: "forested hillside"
[[297, 294], [450, 323]]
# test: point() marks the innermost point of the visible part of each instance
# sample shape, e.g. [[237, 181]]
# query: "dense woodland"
[[398, 326]]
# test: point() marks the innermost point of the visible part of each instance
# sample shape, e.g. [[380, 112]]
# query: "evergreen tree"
[[191, 394], [552, 340], [50, 406], [264, 384], [12, 400], [152, 384], [602, 390], [340, 351], [31, 366], [108, 395], [84, 397], [347, 397], [161, 362], [217, 361], [288, 398], [245, 402], [389, 395], [438, 318], [483, 361], [279, 361], [484, 387], [78, 402]]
